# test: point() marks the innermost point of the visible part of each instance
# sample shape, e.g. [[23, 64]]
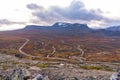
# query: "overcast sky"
[[16, 14]]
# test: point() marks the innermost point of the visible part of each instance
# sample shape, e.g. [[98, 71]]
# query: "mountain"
[[112, 31], [72, 27], [68, 29], [75, 29], [35, 27], [60, 25], [114, 28], [61, 28]]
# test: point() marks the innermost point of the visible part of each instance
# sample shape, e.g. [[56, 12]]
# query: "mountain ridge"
[[66, 29], [58, 25], [114, 28]]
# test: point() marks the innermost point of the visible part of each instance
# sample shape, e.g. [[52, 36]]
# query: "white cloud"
[[15, 10], [11, 27], [96, 24]]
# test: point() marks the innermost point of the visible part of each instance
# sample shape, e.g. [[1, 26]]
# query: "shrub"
[[19, 55]]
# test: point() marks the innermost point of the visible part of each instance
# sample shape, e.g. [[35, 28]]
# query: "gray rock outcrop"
[[19, 74]]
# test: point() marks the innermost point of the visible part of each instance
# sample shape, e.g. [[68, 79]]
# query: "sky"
[[15, 14]]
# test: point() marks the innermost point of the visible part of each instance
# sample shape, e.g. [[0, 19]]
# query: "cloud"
[[7, 22], [76, 11], [4, 21], [34, 6], [112, 22]]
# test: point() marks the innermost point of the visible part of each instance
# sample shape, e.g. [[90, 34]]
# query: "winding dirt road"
[[26, 54], [54, 50], [82, 53], [81, 50], [22, 52]]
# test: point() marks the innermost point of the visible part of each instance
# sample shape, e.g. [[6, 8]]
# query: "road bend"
[[24, 44], [82, 52], [54, 50]]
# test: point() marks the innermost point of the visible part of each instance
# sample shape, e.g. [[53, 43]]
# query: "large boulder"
[[115, 76], [19, 74], [38, 77]]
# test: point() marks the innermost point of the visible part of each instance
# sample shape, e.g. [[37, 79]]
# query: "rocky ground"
[[12, 68], [55, 74]]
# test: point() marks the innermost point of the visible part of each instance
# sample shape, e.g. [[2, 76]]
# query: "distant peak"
[[80, 24], [61, 24]]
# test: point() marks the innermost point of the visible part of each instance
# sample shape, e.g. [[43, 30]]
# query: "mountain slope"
[[67, 29], [114, 28], [61, 29], [60, 25]]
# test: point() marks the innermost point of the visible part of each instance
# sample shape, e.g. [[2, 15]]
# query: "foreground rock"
[[76, 74], [56, 74], [19, 74], [115, 76], [38, 77]]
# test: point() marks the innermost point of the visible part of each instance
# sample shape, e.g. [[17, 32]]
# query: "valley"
[[61, 50]]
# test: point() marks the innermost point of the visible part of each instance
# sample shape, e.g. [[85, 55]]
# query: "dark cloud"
[[47, 15], [75, 11], [7, 22], [78, 13]]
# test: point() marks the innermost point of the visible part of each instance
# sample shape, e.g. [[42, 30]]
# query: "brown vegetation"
[[95, 48]]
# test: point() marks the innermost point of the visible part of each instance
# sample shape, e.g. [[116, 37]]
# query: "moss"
[[42, 65], [91, 67], [107, 68]]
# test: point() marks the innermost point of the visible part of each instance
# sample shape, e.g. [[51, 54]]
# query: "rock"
[[35, 68], [116, 76], [46, 78], [26, 74], [92, 78], [19, 74], [38, 77], [3, 76], [74, 78]]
